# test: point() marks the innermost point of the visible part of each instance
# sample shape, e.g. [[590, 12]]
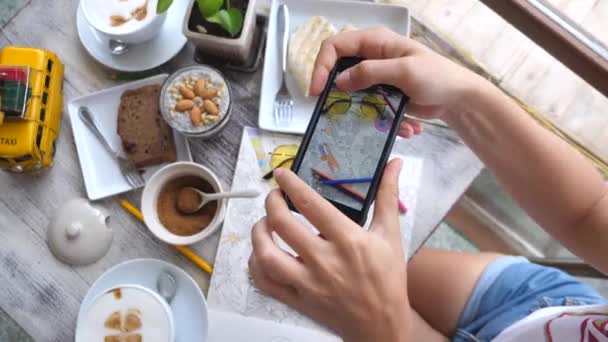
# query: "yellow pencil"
[[195, 258], [131, 208], [187, 252]]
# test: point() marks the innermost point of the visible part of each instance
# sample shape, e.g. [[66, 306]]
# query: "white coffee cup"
[[135, 302], [99, 13]]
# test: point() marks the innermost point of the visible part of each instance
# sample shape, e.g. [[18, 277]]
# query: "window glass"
[[522, 67]]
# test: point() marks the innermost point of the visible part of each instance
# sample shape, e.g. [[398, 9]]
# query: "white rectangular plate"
[[102, 176], [358, 13]]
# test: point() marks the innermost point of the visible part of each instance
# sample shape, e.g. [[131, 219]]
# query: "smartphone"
[[348, 141]]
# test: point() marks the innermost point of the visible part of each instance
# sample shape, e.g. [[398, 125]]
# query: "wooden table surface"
[[43, 295]]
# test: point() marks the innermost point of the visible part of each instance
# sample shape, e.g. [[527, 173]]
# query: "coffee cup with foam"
[[127, 21], [127, 313]]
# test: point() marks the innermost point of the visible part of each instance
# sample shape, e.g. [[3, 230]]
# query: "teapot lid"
[[79, 234]]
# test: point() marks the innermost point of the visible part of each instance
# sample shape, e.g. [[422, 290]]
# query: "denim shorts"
[[510, 289]]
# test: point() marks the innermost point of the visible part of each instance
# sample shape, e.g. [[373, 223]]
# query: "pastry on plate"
[[304, 45]]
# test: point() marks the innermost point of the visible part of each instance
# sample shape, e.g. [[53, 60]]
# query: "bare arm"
[[557, 186], [355, 281], [554, 183]]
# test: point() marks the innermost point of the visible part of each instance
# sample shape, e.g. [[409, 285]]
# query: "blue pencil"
[[346, 181]]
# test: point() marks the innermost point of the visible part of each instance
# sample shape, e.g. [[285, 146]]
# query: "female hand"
[[436, 86], [351, 280]]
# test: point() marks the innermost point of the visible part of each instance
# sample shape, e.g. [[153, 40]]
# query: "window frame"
[[559, 36]]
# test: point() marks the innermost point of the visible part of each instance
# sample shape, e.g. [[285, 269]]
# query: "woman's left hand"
[[351, 280]]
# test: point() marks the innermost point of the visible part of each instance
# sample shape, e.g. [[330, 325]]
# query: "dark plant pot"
[[236, 49]]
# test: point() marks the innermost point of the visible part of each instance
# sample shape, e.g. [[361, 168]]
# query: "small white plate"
[[102, 176], [339, 13], [143, 56], [188, 306]]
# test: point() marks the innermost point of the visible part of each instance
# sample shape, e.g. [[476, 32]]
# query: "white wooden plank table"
[[42, 294]]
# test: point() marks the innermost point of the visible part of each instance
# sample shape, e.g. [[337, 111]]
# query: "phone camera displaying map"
[[347, 143]]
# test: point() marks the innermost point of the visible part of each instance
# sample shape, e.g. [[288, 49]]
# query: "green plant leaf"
[[209, 7], [230, 20], [163, 5]]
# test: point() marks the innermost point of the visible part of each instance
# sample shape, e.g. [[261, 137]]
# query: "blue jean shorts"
[[510, 289]]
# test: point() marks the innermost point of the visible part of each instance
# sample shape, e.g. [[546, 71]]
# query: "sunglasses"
[[282, 156], [371, 107]]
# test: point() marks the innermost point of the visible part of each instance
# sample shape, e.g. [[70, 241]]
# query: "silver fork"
[[283, 102], [127, 168]]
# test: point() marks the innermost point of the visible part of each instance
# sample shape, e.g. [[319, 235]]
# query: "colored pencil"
[[195, 258], [187, 252], [346, 181], [132, 210], [356, 194], [349, 190]]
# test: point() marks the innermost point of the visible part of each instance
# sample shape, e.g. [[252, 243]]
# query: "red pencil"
[[345, 188]]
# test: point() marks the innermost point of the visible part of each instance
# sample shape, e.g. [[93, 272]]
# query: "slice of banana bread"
[[146, 137]]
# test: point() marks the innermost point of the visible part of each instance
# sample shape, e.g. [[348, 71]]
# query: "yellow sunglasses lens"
[[338, 102], [372, 107], [283, 156]]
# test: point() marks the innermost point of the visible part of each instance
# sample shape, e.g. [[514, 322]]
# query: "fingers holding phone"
[[330, 222], [374, 43], [436, 86], [386, 210], [349, 139], [278, 265], [354, 282]]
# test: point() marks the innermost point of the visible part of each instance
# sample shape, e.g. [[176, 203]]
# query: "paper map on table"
[[228, 326], [230, 289]]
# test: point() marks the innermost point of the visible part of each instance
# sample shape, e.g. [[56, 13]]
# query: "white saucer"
[[140, 57], [189, 306]]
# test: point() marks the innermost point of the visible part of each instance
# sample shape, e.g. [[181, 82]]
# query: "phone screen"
[[348, 142]]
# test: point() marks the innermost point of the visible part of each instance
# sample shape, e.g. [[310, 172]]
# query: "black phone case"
[[358, 216]]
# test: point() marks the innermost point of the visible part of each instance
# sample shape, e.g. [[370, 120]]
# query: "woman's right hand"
[[436, 86]]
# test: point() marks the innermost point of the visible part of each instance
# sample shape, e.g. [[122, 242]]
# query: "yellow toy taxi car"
[[31, 82]]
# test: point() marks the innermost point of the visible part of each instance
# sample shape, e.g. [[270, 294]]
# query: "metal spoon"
[[118, 47], [166, 286], [204, 198]]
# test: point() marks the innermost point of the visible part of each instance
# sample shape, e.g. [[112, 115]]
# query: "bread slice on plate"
[[304, 45], [146, 138]]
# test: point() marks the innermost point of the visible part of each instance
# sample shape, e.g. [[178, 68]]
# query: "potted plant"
[[223, 28]]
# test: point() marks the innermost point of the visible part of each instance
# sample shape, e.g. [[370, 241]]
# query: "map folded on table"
[[228, 326], [230, 290]]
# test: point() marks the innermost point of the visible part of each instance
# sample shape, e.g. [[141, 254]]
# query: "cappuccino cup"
[[128, 21], [127, 313]]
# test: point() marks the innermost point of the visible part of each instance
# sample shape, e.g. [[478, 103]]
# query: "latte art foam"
[[126, 314], [120, 16]]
